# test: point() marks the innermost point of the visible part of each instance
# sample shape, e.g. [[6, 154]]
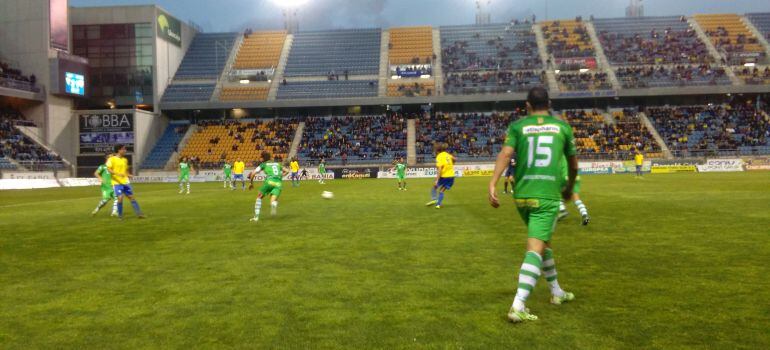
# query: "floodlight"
[[290, 3]]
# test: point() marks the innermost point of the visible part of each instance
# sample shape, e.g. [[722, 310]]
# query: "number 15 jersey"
[[540, 142]]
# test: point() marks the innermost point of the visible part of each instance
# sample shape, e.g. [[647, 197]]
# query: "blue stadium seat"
[[328, 89], [207, 56], [166, 145], [188, 92], [319, 53]]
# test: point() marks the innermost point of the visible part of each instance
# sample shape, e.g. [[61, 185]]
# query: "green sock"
[[530, 271]]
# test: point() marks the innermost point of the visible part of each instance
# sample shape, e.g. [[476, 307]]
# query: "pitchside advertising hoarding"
[[99, 133], [721, 165]]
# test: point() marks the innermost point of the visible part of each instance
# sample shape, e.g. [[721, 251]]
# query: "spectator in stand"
[[15, 145]]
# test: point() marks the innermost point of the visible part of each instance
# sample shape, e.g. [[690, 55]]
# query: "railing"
[[34, 165], [754, 151], [8, 82]]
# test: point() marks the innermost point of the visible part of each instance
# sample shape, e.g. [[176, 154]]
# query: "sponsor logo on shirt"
[[542, 129]]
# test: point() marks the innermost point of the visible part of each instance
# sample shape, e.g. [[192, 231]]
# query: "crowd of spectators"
[[346, 139], [754, 76], [658, 47], [515, 50], [470, 136], [15, 145], [275, 134], [583, 81], [663, 76], [598, 138], [15, 78], [492, 82], [711, 129], [565, 43]]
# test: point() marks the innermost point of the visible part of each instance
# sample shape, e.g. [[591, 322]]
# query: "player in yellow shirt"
[[639, 161], [238, 167], [117, 165], [294, 165], [445, 174]]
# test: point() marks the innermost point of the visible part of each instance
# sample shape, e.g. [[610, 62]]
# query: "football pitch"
[[675, 261]]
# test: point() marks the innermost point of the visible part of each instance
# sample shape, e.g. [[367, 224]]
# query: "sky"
[[235, 15]]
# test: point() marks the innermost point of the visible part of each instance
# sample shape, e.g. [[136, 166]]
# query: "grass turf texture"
[[671, 261]]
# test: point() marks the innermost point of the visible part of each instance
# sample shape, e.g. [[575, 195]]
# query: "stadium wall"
[[25, 41], [168, 57], [148, 129]]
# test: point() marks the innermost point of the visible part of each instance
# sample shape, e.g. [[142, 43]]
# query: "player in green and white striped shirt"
[[105, 177], [272, 185], [227, 169], [184, 174]]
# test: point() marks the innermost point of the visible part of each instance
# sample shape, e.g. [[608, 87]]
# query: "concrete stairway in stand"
[[228, 67], [411, 139], [553, 85], [382, 87], [602, 62], [297, 140], [655, 135], [278, 74], [438, 75], [171, 162], [713, 50]]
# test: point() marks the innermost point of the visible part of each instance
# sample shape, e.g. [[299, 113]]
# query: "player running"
[[117, 166], [540, 141], [509, 172], [322, 171], [400, 167], [184, 174], [227, 170], [272, 186], [304, 174], [294, 165], [104, 176], [238, 167], [563, 213], [639, 161], [445, 174]]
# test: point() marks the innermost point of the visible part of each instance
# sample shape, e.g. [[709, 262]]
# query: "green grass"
[[670, 262]]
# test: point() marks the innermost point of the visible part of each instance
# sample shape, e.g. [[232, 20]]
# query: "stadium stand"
[[17, 146], [411, 45], [471, 136], [597, 139], [409, 89], [754, 76], [731, 36], [328, 89], [260, 50], [712, 130], [651, 40], [15, 79], [166, 146], [762, 22], [188, 92], [206, 56], [670, 76], [354, 140], [496, 58], [247, 93], [217, 141], [489, 47], [324, 53], [583, 81], [567, 39], [492, 82]]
